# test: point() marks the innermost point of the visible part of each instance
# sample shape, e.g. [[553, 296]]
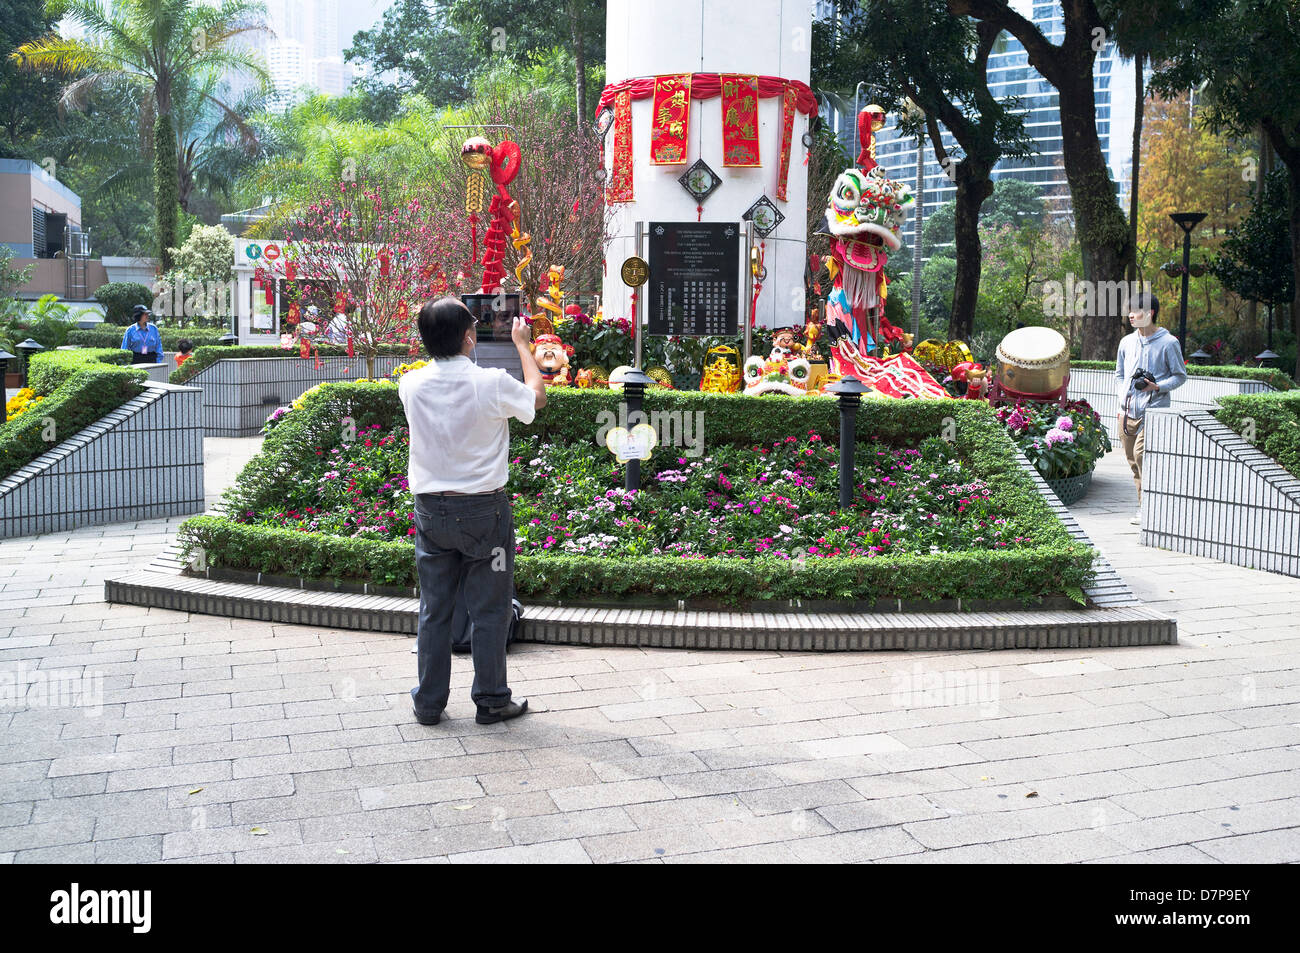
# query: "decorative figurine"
[[721, 370], [552, 359], [864, 217]]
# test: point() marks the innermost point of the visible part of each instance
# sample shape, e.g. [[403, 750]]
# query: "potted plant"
[[1063, 443]]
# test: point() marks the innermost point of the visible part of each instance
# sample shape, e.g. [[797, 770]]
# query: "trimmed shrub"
[[1276, 379], [119, 297], [205, 356], [171, 337], [79, 388], [1056, 563], [1271, 421]]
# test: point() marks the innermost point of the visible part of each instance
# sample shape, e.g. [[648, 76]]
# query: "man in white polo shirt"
[[459, 417]]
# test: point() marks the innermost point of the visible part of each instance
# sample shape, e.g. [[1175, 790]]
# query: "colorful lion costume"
[[864, 218]]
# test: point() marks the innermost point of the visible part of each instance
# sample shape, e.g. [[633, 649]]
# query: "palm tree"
[[161, 47]]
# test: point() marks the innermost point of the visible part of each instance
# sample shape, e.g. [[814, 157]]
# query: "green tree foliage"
[[416, 43], [1255, 259], [26, 98], [1103, 229], [162, 48], [938, 65], [207, 255], [523, 31], [1014, 202], [1245, 54]]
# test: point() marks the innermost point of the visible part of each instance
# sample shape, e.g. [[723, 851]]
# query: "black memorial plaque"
[[694, 278]]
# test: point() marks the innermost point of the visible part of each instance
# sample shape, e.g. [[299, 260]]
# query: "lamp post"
[[850, 391], [5, 358], [1267, 356], [1200, 357], [1186, 221], [26, 350], [634, 383]]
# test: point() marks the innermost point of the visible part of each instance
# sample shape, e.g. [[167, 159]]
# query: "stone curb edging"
[[1077, 628]]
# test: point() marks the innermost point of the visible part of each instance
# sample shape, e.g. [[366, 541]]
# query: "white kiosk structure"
[[767, 38]]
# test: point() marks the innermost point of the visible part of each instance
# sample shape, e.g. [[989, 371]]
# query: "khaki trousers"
[[1133, 436]]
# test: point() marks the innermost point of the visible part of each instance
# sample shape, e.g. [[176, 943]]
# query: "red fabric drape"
[[709, 85]]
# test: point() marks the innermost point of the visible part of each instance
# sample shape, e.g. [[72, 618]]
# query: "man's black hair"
[[1146, 301], [442, 325], [184, 345]]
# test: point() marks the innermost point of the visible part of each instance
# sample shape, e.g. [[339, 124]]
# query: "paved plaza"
[[222, 740]]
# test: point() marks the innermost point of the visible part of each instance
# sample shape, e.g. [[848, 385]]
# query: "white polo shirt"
[[459, 417]]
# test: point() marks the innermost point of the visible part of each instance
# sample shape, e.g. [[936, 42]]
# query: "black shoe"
[[427, 719], [490, 716]]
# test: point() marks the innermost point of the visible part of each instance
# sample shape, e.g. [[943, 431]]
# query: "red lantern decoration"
[[290, 271], [385, 262]]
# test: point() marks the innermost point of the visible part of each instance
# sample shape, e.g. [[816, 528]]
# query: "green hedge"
[[1057, 563], [204, 357], [79, 388], [111, 336], [120, 297], [52, 369], [1275, 378], [1275, 420]]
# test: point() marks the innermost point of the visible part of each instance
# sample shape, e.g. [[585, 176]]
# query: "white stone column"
[[762, 37]]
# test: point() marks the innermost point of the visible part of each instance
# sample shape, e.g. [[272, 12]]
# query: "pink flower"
[[1064, 423]]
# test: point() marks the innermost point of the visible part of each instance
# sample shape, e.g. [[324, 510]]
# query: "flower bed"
[[756, 514], [1060, 443]]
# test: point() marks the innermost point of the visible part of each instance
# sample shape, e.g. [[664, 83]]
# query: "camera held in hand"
[[1142, 376]]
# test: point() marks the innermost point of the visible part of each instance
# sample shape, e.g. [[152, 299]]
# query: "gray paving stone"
[[420, 792], [51, 834], [1266, 847], [551, 852], [360, 850], [198, 843], [646, 844], [855, 847], [61, 854], [569, 825], [610, 794], [129, 850], [463, 840]]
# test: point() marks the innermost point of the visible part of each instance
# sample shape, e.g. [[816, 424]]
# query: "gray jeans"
[[463, 544]]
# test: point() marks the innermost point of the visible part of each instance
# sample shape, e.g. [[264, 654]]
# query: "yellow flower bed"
[[21, 401]]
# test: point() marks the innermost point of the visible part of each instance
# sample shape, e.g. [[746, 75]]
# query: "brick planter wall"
[[1199, 393], [1208, 492], [142, 461]]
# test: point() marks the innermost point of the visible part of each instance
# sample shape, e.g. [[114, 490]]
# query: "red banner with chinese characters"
[[788, 102], [620, 178], [670, 119], [740, 121]]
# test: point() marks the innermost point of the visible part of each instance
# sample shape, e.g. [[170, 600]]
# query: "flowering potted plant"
[[1063, 444]]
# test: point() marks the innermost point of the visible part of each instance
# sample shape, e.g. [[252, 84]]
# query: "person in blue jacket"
[[142, 338]]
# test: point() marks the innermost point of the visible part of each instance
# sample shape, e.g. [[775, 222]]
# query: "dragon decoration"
[[864, 216]]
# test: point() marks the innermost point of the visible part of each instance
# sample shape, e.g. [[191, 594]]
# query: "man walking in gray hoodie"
[[1149, 365]]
